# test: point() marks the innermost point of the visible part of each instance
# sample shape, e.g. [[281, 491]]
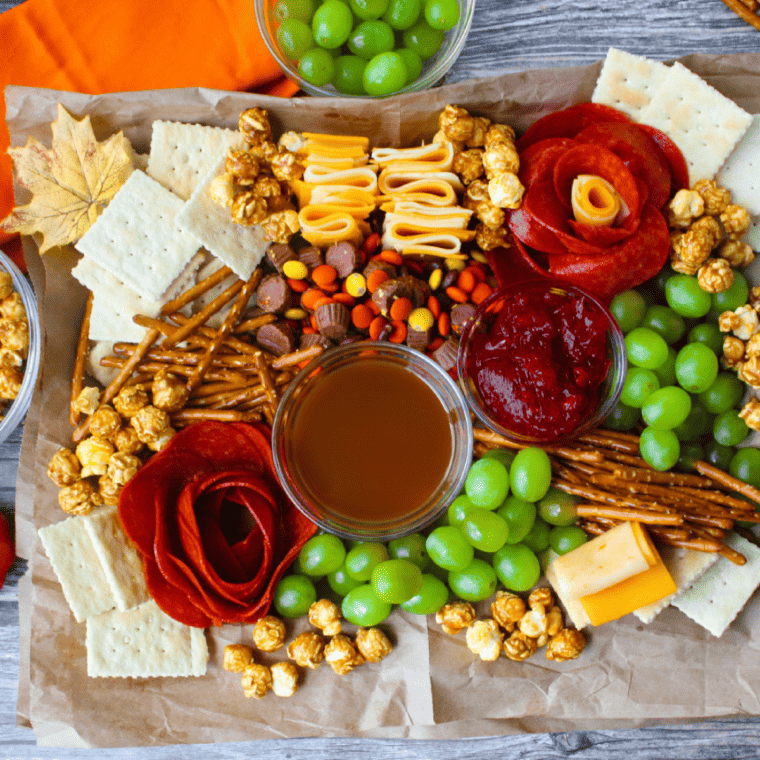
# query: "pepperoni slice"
[[679, 170], [537, 161]]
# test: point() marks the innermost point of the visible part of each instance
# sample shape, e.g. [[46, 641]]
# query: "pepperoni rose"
[[576, 165], [215, 531]]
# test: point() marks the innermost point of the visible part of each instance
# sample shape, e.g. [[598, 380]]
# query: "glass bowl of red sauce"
[[542, 362], [372, 440]]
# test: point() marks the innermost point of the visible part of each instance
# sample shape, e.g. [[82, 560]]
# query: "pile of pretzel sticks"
[[614, 484], [226, 377]]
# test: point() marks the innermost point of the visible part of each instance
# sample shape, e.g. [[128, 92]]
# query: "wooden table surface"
[[506, 36]]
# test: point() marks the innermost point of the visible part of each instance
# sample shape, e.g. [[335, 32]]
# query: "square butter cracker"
[[77, 566], [238, 246], [181, 154], [627, 81], [703, 123], [684, 566], [136, 238], [718, 596], [119, 559], [144, 642]]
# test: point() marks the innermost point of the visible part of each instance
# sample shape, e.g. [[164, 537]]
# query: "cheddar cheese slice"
[[323, 226], [436, 157], [336, 140], [392, 181]]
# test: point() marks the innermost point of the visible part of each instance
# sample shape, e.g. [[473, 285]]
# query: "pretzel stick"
[[296, 357], [270, 389], [753, 5], [253, 324], [726, 551], [720, 498], [203, 315], [77, 379], [209, 333], [193, 415], [727, 481], [244, 294], [744, 12], [620, 513], [664, 478], [153, 368], [117, 383], [499, 441], [608, 442], [210, 389], [197, 290]]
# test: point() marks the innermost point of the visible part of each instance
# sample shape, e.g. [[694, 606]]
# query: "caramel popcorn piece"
[[6, 284], [292, 141], [695, 246], [127, 442], [743, 322], [269, 633], [506, 190], [64, 468], [754, 297], [715, 198], [108, 490], [287, 166], [455, 616], [498, 133], [130, 400], [484, 638], [533, 623], [169, 391], [267, 187], [325, 615], [715, 276], [476, 192], [10, 382], [501, 158], [685, 206], [87, 401], [79, 498], [105, 422], [440, 137], [237, 657], [736, 253], [373, 644], [280, 226], [150, 424], [752, 346], [507, 609], [566, 644], [285, 677], [456, 123], [248, 209], [710, 226], [342, 655], [733, 351], [93, 453], [307, 650], [468, 165], [242, 166], [735, 220], [541, 596], [10, 358], [749, 371], [256, 680], [222, 190], [13, 307], [255, 126], [480, 128], [519, 647], [122, 467], [14, 334], [488, 238]]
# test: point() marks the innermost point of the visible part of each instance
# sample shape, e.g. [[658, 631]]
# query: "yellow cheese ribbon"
[[323, 226], [594, 201], [337, 141]]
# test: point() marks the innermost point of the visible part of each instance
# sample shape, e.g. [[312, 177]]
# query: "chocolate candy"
[[332, 320], [344, 257], [461, 314], [274, 294], [277, 338], [446, 354], [311, 256], [279, 253]]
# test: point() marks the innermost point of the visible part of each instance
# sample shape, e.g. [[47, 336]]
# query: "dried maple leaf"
[[71, 183]]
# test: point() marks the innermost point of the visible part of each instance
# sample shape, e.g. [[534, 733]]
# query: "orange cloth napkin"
[[98, 46]]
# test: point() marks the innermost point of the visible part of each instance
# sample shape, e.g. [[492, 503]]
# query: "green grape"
[[696, 367], [370, 38], [332, 24], [719, 455], [538, 537], [666, 372], [413, 64], [485, 530], [660, 282], [734, 297], [645, 348], [724, 393], [565, 538], [361, 607], [475, 583], [401, 14], [341, 582], [396, 580], [293, 596], [296, 568], [745, 465], [317, 66], [558, 507], [349, 75], [686, 297], [487, 483], [368, 9], [517, 567], [442, 14], [362, 560], [622, 418], [639, 384], [294, 38], [628, 308], [666, 408], [411, 547], [433, 594], [659, 448], [449, 549], [691, 452], [669, 325], [459, 509], [384, 74], [697, 424], [707, 333], [519, 516], [530, 474], [505, 456], [729, 428], [293, 9], [423, 39], [322, 554]]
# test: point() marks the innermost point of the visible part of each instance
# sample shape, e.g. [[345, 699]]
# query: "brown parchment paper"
[[431, 686]]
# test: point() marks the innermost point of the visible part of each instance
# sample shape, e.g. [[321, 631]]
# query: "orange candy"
[[457, 294], [398, 335], [371, 243], [375, 278], [435, 306], [361, 316], [324, 274], [345, 298], [466, 280], [480, 293], [376, 327], [298, 286], [310, 297], [392, 257], [444, 324], [401, 308]]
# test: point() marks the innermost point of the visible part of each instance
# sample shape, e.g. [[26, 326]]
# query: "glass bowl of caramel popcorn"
[[20, 346], [365, 49]]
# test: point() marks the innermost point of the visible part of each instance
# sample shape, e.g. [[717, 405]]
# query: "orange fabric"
[[121, 45]]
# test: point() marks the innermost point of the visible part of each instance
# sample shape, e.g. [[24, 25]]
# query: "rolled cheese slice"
[[448, 217], [437, 157], [620, 553], [322, 226], [423, 242], [359, 203], [392, 181], [594, 201], [363, 177]]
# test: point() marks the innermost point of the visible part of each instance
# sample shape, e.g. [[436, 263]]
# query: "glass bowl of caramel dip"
[[372, 440]]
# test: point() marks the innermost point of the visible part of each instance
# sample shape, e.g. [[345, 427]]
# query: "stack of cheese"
[[338, 190], [418, 192]]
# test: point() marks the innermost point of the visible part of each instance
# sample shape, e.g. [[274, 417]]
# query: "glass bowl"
[[607, 394], [433, 69], [17, 409], [372, 440]]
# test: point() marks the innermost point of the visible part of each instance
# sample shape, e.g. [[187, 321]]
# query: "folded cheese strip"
[[425, 242], [359, 203], [436, 157], [337, 141], [393, 182], [323, 226], [451, 217]]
